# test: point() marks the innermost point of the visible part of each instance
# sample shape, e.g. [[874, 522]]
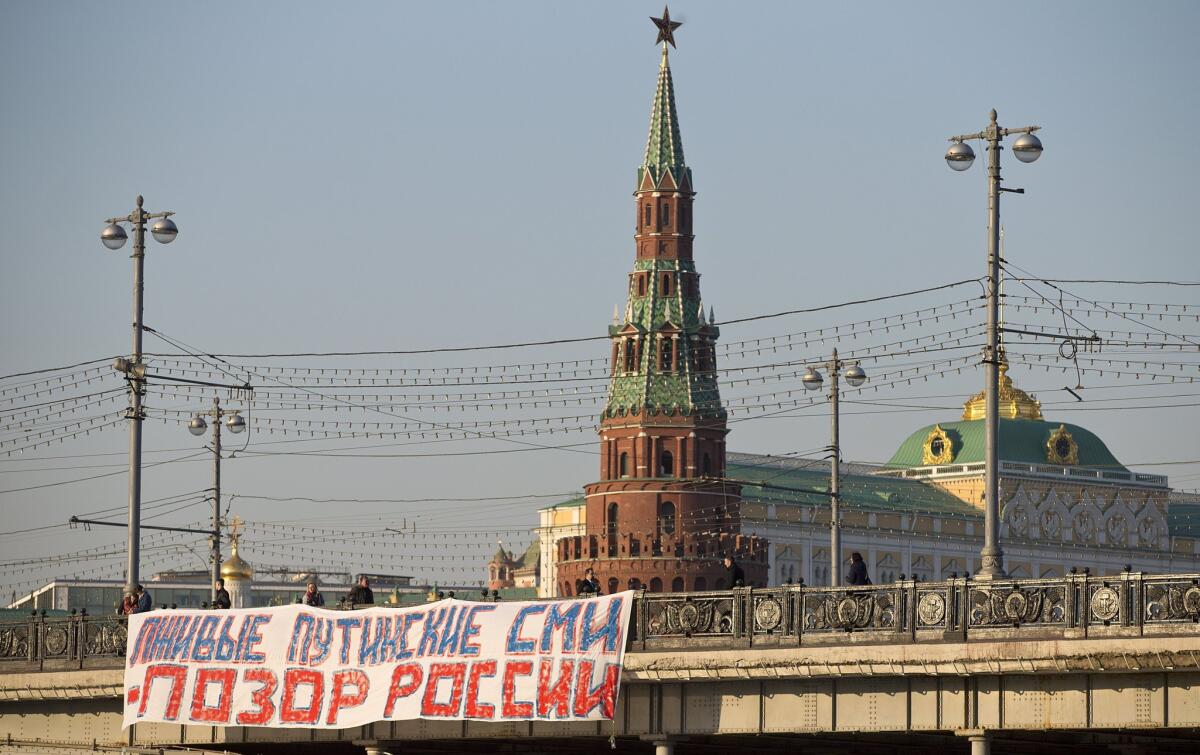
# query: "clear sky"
[[413, 175]]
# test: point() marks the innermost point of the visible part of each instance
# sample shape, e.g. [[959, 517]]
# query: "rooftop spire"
[[664, 146]]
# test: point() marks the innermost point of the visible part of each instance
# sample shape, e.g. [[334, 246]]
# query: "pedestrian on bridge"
[[361, 594], [589, 585], [313, 597], [737, 577], [222, 599], [858, 570], [144, 601]]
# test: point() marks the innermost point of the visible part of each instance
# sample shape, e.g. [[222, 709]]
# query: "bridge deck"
[[1082, 659]]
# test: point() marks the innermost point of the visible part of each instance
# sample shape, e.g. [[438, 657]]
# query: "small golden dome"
[[1014, 403], [235, 567]]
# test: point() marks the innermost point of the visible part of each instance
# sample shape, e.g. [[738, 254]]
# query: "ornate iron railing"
[[1077, 605], [74, 641], [1074, 606]]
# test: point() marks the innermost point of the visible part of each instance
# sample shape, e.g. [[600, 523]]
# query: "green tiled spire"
[[664, 146], [652, 319], [663, 324]]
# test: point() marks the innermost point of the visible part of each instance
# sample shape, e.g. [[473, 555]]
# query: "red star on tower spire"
[[666, 28]]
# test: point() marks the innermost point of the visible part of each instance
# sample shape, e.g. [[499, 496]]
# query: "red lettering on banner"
[[178, 676], [293, 678], [260, 697], [557, 695], [474, 708], [413, 674], [605, 695], [338, 698], [218, 713], [457, 673], [508, 707]]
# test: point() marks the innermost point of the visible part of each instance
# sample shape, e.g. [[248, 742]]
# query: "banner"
[[295, 666]]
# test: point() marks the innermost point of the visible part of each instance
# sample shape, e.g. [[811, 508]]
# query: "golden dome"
[[1014, 403], [235, 567]]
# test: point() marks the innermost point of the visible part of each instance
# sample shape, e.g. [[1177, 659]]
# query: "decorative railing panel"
[[1170, 600], [1030, 602]]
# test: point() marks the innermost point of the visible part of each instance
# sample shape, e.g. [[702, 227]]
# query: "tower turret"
[[663, 513]]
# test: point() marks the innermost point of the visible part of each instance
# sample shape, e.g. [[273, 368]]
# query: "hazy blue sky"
[[405, 175]]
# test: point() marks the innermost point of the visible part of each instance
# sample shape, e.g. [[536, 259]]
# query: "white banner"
[[295, 666]]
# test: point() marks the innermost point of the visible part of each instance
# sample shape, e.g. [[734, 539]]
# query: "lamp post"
[[1027, 148], [233, 420], [812, 380], [113, 236]]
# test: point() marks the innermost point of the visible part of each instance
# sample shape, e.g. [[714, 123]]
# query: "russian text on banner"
[[296, 666]]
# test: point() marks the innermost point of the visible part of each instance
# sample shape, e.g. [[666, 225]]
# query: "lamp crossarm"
[[133, 217], [984, 134]]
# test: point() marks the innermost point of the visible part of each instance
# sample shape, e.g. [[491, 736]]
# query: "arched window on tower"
[[677, 584], [655, 584], [666, 215], [666, 284], [666, 464], [666, 354], [706, 465], [646, 215], [666, 518], [629, 356], [641, 285], [610, 526], [623, 465]]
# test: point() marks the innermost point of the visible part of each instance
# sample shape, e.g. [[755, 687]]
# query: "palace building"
[[1066, 503]]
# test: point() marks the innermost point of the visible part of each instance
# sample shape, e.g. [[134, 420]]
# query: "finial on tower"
[[666, 29]]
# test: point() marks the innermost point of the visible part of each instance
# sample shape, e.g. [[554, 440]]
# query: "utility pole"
[[812, 380], [216, 513], [835, 461], [236, 424], [1027, 148], [113, 236]]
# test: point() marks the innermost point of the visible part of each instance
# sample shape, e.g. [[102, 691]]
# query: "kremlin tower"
[[663, 514]]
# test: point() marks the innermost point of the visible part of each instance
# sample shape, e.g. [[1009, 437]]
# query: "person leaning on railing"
[[589, 585], [361, 594]]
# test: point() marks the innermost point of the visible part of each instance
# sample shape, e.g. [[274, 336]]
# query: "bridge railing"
[[75, 641], [1077, 605]]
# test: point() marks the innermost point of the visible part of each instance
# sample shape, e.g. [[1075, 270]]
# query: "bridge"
[[1076, 664]]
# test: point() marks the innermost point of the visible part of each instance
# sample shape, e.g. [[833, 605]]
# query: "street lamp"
[[114, 236], [196, 426], [812, 380], [1027, 148]]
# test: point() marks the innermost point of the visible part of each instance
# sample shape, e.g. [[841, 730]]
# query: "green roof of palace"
[[572, 503], [1021, 440], [1183, 515], [532, 553], [858, 491]]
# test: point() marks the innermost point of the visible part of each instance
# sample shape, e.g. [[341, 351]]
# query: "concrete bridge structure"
[[1074, 664]]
